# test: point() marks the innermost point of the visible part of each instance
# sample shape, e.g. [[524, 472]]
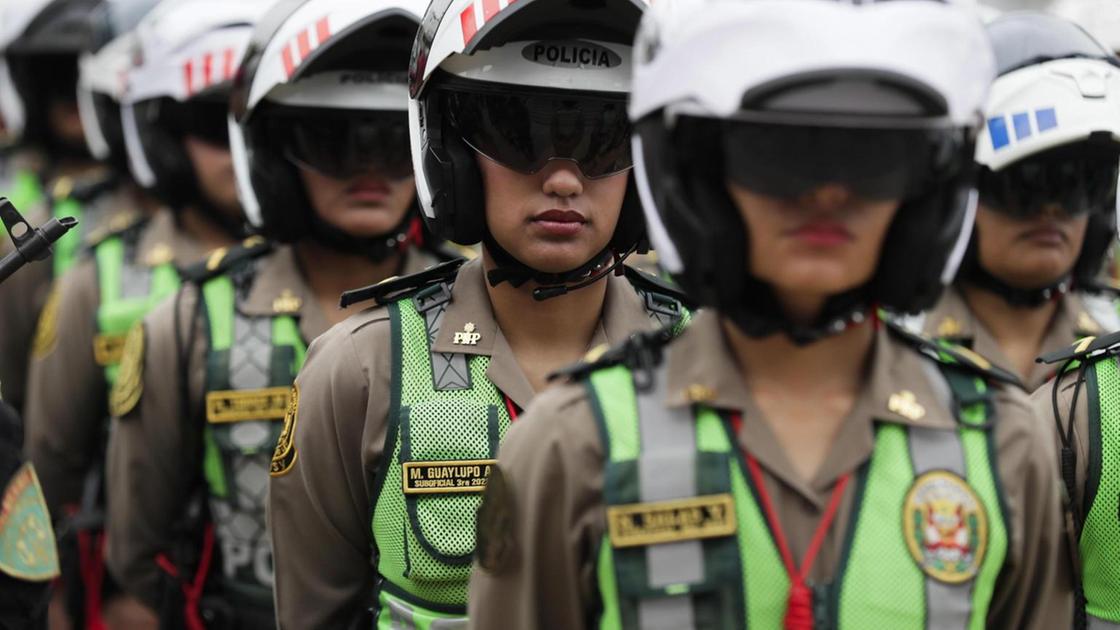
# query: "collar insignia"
[[468, 337], [904, 404], [286, 303]]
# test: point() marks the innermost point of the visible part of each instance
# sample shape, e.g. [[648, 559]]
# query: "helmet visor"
[[1076, 183], [344, 143], [787, 161], [201, 119], [526, 131]]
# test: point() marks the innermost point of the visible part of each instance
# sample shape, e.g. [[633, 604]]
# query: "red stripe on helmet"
[[207, 70], [188, 76], [323, 30], [303, 40], [289, 63], [490, 8], [469, 27]]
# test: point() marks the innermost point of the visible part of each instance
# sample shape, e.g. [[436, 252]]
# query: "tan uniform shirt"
[[340, 432], [153, 451], [67, 392], [553, 458], [1078, 315]]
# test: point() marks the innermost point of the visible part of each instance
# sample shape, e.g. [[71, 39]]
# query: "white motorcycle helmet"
[[324, 86], [102, 75], [783, 97], [1052, 135], [186, 55], [522, 83], [40, 41]]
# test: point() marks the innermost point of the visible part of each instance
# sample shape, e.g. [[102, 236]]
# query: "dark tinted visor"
[[525, 131], [787, 161], [201, 119], [345, 143], [1077, 181]]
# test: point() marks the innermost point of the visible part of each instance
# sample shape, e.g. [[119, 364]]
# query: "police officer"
[[520, 141], [28, 558], [45, 168], [177, 140], [326, 170], [789, 461], [1030, 283]]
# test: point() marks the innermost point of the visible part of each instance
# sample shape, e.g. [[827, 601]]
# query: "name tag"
[[467, 475], [247, 404], [640, 524], [107, 349]]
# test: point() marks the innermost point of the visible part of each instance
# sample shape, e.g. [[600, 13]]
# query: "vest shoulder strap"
[[1087, 349], [947, 353], [82, 189], [225, 259], [124, 225], [649, 283], [642, 352], [401, 287]]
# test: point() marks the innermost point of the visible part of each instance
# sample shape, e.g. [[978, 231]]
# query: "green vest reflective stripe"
[[128, 291], [1100, 535], [447, 414], [658, 457], [25, 190], [66, 248], [251, 364]]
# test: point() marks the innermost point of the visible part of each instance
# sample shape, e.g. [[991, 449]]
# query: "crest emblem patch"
[[27, 547], [945, 526]]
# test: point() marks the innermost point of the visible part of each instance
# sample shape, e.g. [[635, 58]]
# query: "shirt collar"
[[899, 390], [161, 242]]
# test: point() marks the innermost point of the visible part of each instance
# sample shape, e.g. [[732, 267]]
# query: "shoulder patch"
[[1084, 348], [945, 352], [130, 377], [83, 189], [643, 281], [223, 259], [27, 543], [284, 457], [46, 330], [396, 288]]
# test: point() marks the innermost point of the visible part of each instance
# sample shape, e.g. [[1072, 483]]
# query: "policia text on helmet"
[[506, 115]]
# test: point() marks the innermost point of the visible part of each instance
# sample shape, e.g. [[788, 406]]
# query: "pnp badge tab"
[[441, 477], [639, 524]]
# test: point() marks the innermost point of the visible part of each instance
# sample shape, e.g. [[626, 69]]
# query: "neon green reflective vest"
[[1099, 542], [251, 363], [446, 420], [129, 290], [688, 546], [25, 190]]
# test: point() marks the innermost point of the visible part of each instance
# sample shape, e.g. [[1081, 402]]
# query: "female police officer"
[[1030, 282], [324, 168], [520, 142], [788, 460]]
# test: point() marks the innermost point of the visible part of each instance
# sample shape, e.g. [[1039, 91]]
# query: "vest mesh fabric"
[[1100, 536], [880, 586], [425, 542]]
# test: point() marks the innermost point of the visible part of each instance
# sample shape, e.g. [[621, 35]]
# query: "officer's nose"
[[562, 178], [832, 196]]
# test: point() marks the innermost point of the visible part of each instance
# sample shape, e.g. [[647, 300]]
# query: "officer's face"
[[214, 168], [554, 220], [1029, 253], [363, 205], [814, 246]]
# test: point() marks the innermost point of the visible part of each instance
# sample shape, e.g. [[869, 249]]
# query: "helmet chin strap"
[[517, 273], [759, 314], [1015, 296], [376, 248]]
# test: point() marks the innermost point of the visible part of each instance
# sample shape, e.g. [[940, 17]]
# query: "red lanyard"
[[511, 408], [799, 606]]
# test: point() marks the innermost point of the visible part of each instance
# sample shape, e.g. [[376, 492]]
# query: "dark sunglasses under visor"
[[346, 143], [787, 161], [526, 131]]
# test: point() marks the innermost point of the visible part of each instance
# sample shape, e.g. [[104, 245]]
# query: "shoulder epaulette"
[[946, 352], [1084, 348], [397, 287], [649, 282], [120, 224], [82, 189], [643, 350], [223, 259]]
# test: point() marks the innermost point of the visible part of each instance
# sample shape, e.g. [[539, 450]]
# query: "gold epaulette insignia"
[[130, 377], [285, 455]]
